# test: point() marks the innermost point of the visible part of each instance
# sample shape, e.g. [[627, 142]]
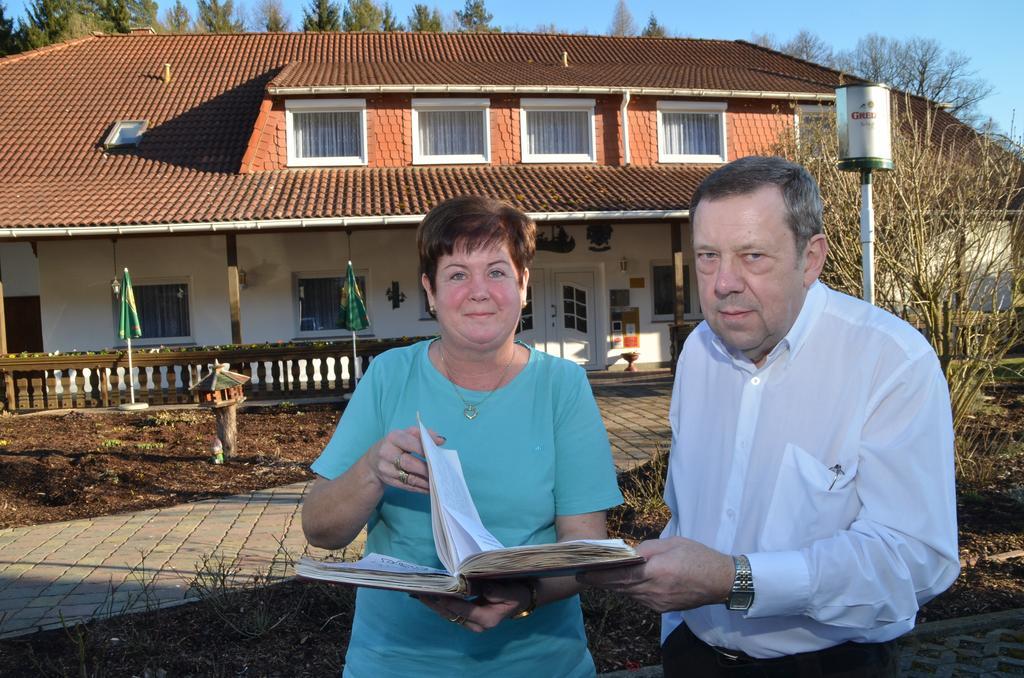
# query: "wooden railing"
[[293, 372]]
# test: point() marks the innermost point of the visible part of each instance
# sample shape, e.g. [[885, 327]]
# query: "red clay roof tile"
[[58, 103]]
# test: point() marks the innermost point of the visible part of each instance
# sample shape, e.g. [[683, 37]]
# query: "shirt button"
[[755, 381], [730, 514]]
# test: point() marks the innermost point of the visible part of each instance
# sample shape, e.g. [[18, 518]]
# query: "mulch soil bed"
[[73, 465]]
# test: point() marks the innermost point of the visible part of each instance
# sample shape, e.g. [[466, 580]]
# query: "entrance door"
[[24, 324], [576, 321], [534, 322]]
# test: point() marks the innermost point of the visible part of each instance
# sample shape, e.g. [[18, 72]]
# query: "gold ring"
[[398, 461], [403, 475]]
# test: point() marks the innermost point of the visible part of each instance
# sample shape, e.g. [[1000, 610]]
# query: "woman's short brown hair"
[[472, 222]]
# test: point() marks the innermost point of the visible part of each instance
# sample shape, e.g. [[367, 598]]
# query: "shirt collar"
[[814, 304]]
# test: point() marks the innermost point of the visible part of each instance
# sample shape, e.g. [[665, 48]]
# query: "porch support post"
[[679, 308], [8, 378], [234, 290]]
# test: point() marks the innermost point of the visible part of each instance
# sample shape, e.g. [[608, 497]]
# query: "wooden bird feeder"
[[221, 387], [222, 391]]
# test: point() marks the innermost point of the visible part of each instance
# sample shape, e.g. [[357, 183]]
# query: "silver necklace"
[[471, 410]]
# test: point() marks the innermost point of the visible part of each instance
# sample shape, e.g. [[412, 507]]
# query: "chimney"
[[167, 74], [565, 60], [141, 30]]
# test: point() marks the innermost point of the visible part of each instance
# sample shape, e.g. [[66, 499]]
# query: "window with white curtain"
[[450, 131], [318, 297], [325, 132], [691, 131], [557, 130], [163, 307]]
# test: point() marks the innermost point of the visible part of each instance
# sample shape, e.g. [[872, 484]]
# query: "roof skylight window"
[[125, 134]]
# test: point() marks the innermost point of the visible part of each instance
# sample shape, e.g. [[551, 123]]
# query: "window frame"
[[802, 110], [120, 137], [336, 332], [292, 106], [158, 341], [687, 291], [573, 105], [719, 107], [448, 104]]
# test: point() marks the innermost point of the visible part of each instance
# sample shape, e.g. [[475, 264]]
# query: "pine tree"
[[270, 16], [425, 20], [622, 21], [8, 38], [388, 20], [47, 21], [143, 13], [216, 16], [653, 29], [177, 19], [474, 18], [322, 15], [114, 15], [361, 15]]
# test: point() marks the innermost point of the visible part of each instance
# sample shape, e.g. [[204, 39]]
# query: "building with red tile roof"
[[253, 166]]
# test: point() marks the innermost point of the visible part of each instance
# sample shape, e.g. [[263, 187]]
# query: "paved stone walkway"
[[70, 572]]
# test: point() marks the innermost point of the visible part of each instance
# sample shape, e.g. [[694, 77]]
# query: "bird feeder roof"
[[221, 378]]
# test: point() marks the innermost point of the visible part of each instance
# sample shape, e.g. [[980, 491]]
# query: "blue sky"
[[988, 31]]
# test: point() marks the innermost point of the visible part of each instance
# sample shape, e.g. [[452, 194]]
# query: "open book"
[[465, 547]]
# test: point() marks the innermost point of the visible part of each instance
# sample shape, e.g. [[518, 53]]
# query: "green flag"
[[129, 327], [353, 310]]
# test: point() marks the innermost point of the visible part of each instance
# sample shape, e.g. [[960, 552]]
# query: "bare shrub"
[[947, 238]]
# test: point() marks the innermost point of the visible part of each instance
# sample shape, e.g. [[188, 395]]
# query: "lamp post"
[[863, 121]]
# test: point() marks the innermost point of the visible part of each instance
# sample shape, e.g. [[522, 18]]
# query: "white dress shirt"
[[830, 467]]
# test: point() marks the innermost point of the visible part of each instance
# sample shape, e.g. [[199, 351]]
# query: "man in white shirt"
[[811, 478]]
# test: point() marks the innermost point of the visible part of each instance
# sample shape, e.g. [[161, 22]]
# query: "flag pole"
[[131, 372], [129, 326], [355, 360]]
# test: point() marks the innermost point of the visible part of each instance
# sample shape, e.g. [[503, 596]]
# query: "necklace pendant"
[[470, 411]]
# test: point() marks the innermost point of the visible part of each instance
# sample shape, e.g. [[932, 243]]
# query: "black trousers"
[[684, 654]]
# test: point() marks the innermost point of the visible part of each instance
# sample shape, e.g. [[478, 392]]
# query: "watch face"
[[741, 600]]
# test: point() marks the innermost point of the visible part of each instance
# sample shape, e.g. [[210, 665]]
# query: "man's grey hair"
[[746, 175]]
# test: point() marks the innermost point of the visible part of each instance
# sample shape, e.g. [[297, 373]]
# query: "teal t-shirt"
[[538, 449]]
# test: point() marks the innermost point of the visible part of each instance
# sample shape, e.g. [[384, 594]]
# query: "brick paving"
[[78, 570]]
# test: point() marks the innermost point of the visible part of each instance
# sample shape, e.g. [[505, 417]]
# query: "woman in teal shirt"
[[532, 446]]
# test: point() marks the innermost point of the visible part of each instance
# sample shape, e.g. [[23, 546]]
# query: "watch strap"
[[741, 596]]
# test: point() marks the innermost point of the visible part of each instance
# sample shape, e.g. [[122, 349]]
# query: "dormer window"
[[125, 134], [325, 132], [446, 131], [557, 130], [691, 131]]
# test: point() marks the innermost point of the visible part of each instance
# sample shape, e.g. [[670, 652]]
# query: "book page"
[[384, 572], [379, 563], [558, 559], [458, 530]]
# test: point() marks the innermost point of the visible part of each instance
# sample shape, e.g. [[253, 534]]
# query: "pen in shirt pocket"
[[838, 471]]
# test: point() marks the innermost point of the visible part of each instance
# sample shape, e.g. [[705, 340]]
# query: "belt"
[[846, 659]]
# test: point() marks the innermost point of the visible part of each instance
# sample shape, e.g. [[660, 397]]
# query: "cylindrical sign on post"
[[863, 120], [865, 144]]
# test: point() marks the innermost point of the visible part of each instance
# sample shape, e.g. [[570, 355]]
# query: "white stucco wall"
[[273, 262], [78, 310], [19, 269]]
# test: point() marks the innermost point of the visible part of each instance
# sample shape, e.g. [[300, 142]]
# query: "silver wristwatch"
[[741, 596]]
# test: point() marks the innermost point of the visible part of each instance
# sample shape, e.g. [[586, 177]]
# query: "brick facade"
[[752, 126]]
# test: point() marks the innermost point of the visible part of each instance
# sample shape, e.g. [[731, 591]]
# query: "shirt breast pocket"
[[811, 501]]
